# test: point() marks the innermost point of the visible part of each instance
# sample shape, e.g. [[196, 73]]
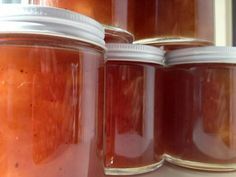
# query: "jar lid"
[[30, 19], [134, 52], [210, 54], [116, 32]]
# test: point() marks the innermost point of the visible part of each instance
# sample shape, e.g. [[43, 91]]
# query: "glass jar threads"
[[199, 108], [49, 92], [130, 102]]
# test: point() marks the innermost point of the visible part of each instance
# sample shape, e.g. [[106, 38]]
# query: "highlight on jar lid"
[[213, 54], [134, 52], [29, 19]]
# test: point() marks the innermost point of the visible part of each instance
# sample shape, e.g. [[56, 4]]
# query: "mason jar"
[[130, 109], [199, 126], [50, 86], [174, 23]]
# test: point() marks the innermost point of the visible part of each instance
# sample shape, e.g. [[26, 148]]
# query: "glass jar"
[[130, 101], [116, 15], [49, 92], [199, 108], [174, 23]]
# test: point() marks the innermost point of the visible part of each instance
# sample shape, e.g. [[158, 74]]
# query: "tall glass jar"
[[199, 108], [130, 101], [50, 88], [174, 23]]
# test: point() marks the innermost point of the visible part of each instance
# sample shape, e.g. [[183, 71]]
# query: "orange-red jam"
[[48, 108]]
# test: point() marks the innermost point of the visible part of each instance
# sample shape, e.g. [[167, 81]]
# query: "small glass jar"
[[174, 23], [130, 102], [199, 129], [50, 87], [116, 15]]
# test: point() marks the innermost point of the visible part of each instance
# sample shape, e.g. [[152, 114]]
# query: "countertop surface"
[[172, 171]]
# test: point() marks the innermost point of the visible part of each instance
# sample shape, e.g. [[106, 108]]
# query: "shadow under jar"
[[129, 116], [199, 108], [174, 23], [49, 92], [115, 15]]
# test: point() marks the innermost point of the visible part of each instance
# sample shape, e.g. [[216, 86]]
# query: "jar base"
[[133, 171], [171, 43], [199, 165]]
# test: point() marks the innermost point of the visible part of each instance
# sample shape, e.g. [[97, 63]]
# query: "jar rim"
[[34, 19], [210, 54], [135, 53]]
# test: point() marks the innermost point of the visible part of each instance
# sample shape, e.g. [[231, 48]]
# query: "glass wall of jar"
[[130, 102], [174, 23], [199, 108], [116, 15], [49, 92]]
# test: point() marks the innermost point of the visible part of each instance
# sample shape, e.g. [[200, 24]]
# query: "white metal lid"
[[134, 52], [211, 54], [51, 21]]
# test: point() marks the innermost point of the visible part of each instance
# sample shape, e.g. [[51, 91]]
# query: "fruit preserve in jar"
[[49, 92], [130, 102], [199, 125], [174, 23]]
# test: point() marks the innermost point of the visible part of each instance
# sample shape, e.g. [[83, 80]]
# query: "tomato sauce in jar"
[[199, 125], [49, 93], [130, 101], [174, 23]]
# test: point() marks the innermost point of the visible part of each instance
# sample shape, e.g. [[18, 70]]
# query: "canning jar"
[[199, 108], [130, 101], [174, 23], [115, 15], [50, 87]]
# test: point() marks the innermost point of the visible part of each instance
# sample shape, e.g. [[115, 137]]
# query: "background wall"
[[223, 22]]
